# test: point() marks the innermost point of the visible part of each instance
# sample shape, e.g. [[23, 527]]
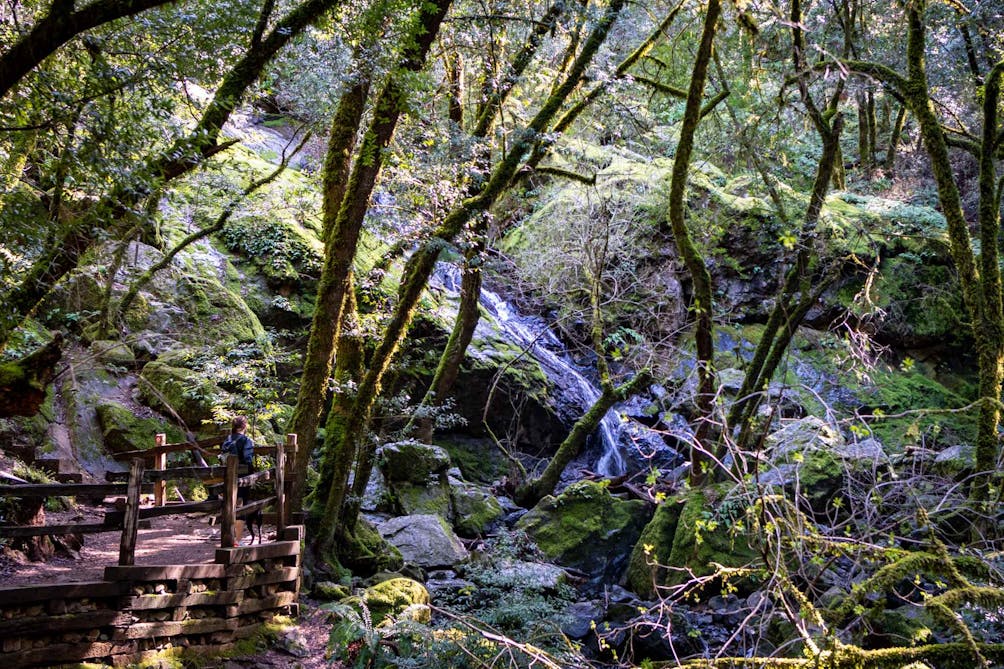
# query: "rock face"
[[180, 390], [412, 461], [425, 540], [587, 528]]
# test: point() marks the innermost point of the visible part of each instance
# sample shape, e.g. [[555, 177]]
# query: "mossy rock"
[[587, 528], [479, 460], [412, 461], [329, 591], [476, 510], [366, 552], [707, 533], [219, 316], [122, 430], [655, 544], [396, 597], [113, 352], [167, 388], [417, 498]]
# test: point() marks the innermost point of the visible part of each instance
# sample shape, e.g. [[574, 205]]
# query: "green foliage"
[[511, 592]]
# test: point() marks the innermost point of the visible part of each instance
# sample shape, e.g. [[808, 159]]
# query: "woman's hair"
[[239, 423]]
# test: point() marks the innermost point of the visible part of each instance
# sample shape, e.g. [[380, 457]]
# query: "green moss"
[[220, 316], [365, 551], [586, 527], [168, 388], [478, 459], [654, 544], [122, 430], [415, 498], [475, 511], [393, 597], [895, 391], [707, 534]]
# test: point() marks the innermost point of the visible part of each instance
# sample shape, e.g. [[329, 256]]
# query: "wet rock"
[[580, 619]]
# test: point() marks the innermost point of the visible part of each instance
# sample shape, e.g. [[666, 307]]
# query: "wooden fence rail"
[[139, 480]]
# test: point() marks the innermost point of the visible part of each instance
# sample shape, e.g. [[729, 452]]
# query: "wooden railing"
[[140, 480]]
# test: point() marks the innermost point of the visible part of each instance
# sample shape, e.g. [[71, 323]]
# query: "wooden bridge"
[[138, 611]]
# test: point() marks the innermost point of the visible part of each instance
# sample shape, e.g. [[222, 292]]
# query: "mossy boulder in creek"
[[653, 548], [412, 461], [587, 528], [475, 510], [708, 532], [396, 597], [122, 430], [418, 498], [176, 389]]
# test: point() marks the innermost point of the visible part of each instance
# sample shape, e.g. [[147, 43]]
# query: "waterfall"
[[539, 340], [534, 335]]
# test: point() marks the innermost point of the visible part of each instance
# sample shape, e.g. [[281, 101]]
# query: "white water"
[[534, 336]]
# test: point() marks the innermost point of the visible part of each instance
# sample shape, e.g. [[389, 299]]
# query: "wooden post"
[[280, 492], [228, 516], [160, 462], [291, 447], [130, 523]]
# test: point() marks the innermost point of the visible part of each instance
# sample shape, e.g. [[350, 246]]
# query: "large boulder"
[[587, 528], [803, 435], [476, 510], [179, 390], [425, 540], [708, 533], [123, 430], [412, 461], [421, 499], [653, 548]]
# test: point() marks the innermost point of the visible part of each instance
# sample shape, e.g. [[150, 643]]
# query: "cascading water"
[[538, 340]]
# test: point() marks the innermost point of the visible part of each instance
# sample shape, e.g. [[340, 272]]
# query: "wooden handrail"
[[36, 490], [175, 473]]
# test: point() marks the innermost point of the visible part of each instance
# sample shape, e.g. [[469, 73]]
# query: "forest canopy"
[[722, 277]]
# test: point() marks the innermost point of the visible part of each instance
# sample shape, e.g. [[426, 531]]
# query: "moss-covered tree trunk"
[[692, 259], [448, 369], [344, 222], [980, 278], [894, 137], [420, 266], [324, 326]]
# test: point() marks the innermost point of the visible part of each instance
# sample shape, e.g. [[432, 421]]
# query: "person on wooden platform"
[[240, 444]]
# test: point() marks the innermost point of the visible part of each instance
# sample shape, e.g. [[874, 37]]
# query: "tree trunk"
[[343, 225], [324, 326], [421, 264], [183, 156], [468, 315], [894, 135], [688, 251]]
